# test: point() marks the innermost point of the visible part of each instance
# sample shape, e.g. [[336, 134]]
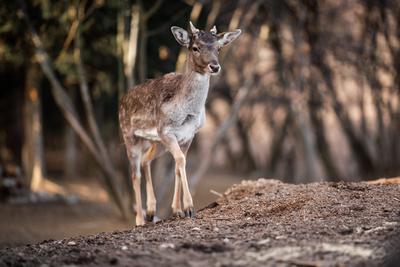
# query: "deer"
[[164, 114]]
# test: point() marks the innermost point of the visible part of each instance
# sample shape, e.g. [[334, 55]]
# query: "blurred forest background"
[[309, 92]]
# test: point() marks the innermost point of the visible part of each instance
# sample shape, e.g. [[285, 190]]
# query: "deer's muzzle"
[[214, 68]]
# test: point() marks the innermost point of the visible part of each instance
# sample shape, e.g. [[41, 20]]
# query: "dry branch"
[[240, 98], [88, 105]]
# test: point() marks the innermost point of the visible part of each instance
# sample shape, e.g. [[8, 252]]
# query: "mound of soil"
[[255, 223]]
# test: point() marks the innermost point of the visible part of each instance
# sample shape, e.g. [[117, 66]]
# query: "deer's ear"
[[226, 38], [181, 36]]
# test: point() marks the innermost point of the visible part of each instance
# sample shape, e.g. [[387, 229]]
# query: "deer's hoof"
[[178, 214], [139, 222], [149, 216], [189, 212]]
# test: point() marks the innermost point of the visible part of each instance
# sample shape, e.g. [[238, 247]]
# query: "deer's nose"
[[214, 68]]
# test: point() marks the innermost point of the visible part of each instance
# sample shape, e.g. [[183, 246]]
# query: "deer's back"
[[139, 106]]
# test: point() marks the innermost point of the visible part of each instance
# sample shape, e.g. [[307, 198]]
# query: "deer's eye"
[[195, 49]]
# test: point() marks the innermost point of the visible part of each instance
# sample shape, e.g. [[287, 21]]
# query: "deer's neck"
[[195, 85]]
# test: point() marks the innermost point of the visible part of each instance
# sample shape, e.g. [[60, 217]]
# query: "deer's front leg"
[[172, 145], [176, 201], [188, 200]]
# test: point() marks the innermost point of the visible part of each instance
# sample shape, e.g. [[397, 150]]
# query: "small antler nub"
[[214, 30], [193, 29]]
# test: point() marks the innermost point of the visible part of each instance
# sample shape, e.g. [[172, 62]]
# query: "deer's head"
[[203, 46]]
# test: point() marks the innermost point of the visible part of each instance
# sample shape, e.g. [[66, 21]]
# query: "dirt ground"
[[255, 223]]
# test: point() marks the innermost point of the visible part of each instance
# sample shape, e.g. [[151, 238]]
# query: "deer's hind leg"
[[150, 197], [136, 177], [134, 152]]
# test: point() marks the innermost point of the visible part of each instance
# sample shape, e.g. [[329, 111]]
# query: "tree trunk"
[[143, 50], [247, 160], [315, 107], [194, 16], [71, 146], [277, 144], [130, 47], [120, 52], [212, 16], [33, 159], [71, 153], [306, 136]]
